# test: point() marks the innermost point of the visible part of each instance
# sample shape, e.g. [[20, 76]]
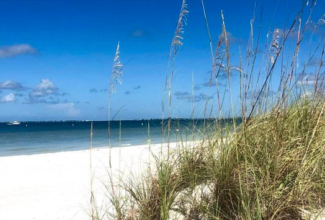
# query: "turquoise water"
[[48, 137]]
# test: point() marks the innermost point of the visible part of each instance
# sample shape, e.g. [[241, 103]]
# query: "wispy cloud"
[[93, 90], [209, 84], [8, 98], [254, 94], [68, 108], [137, 33], [232, 39], [212, 84], [63, 94], [197, 87], [312, 27], [182, 95], [32, 101], [310, 79], [223, 75], [11, 85], [142, 34], [16, 50], [315, 62], [189, 97]]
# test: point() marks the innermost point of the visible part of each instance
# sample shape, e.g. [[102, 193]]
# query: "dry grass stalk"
[[92, 199], [115, 78], [177, 42], [214, 59]]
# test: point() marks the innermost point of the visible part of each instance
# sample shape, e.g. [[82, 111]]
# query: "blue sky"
[[56, 56]]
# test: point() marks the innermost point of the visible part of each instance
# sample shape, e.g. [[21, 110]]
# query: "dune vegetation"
[[269, 166]]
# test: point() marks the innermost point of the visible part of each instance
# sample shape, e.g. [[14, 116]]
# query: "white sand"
[[57, 185]]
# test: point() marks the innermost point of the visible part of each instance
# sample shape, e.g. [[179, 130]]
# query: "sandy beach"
[[57, 185]]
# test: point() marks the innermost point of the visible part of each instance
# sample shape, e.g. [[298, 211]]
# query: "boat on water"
[[14, 123]]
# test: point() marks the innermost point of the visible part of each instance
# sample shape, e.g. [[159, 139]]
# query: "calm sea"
[[48, 137]]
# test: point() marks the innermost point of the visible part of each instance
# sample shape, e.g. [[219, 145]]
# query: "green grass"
[[271, 166]]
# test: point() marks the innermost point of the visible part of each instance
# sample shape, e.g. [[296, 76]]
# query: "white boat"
[[14, 123]]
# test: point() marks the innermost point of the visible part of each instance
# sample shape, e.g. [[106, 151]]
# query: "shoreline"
[[76, 150], [71, 150]]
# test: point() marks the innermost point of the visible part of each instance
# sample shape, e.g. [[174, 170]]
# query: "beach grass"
[[272, 168], [269, 166]]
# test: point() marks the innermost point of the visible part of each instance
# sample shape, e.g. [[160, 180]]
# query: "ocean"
[[48, 137]]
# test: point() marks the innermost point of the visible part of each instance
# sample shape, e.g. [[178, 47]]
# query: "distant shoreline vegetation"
[[133, 120]]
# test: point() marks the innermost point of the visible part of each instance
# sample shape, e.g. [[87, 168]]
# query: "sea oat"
[[116, 71], [275, 44], [176, 44], [115, 78], [177, 39]]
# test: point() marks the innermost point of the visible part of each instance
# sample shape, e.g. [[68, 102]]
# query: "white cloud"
[[310, 79], [254, 94], [196, 98], [212, 84], [44, 88], [9, 84], [8, 98], [68, 109], [16, 50], [44, 92], [231, 39]]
